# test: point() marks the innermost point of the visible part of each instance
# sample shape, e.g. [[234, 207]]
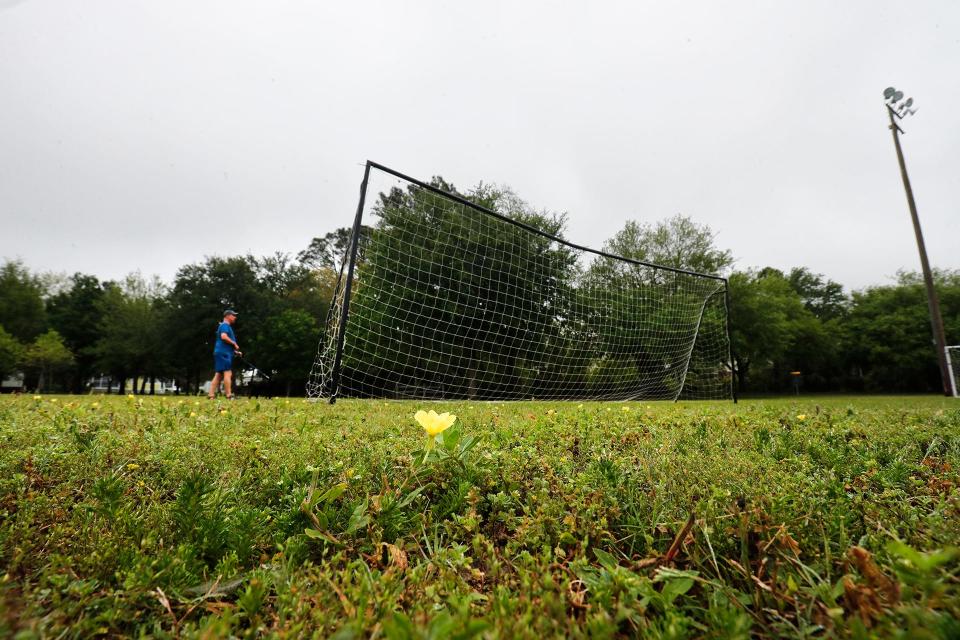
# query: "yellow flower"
[[223, 412], [129, 396], [95, 405], [551, 412], [580, 406], [625, 409], [38, 397], [133, 466], [193, 414], [53, 399], [801, 416], [434, 423]]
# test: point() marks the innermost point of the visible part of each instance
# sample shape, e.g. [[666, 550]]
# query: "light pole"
[[898, 109]]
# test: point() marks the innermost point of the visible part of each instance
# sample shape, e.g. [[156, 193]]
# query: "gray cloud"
[[146, 135]]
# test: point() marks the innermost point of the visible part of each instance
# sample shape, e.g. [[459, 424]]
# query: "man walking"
[[225, 346]]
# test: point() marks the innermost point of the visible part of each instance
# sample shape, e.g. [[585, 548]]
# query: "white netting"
[[953, 364], [451, 301]]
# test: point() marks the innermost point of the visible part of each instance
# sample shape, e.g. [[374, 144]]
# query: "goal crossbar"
[[467, 203]]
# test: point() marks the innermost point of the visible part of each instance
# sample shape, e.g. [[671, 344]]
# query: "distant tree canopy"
[[773, 332], [676, 242], [22, 311], [47, 356], [11, 354], [326, 253], [824, 298], [265, 291], [75, 313], [876, 339], [129, 343], [887, 340]]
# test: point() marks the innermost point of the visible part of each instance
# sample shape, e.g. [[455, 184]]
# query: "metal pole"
[[532, 229], [936, 321], [354, 243], [953, 378], [734, 382]]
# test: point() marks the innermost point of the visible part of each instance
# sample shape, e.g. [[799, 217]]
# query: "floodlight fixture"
[[897, 105]]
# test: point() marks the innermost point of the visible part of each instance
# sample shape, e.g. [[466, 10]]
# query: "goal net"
[[442, 298], [953, 367]]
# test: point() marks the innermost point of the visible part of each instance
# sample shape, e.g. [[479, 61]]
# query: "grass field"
[[181, 518]]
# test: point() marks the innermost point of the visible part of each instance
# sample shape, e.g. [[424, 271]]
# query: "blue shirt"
[[220, 346]]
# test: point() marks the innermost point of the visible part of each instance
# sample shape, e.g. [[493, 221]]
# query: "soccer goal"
[[953, 367], [440, 297]]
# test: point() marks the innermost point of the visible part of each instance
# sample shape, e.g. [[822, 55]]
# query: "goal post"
[[953, 368], [480, 298]]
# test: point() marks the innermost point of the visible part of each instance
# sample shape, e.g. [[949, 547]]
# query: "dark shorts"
[[222, 362]]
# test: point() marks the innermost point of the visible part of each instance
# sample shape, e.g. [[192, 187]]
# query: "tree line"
[[62, 331], [788, 322]]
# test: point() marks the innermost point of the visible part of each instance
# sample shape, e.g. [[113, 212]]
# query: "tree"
[[759, 326], [328, 251], [47, 356], [312, 294], [773, 333], [676, 242], [11, 354], [76, 315], [21, 302], [886, 334], [130, 344], [195, 305], [824, 298], [690, 307], [263, 290], [285, 347]]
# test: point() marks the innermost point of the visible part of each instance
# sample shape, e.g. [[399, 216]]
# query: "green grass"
[[827, 517]]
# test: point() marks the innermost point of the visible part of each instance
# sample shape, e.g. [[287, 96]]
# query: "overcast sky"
[[146, 135]]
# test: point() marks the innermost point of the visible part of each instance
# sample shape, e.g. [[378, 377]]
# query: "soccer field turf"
[[772, 518]]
